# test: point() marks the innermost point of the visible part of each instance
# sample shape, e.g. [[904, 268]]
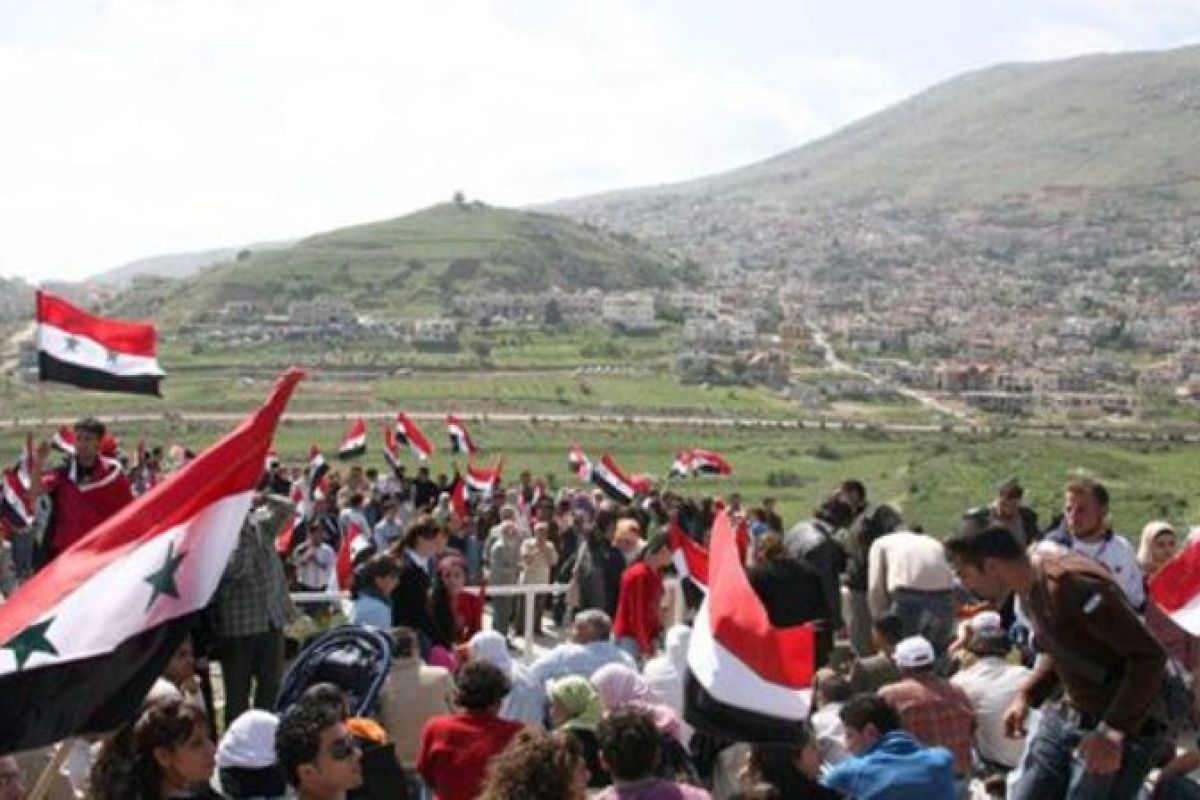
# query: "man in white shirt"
[[314, 561], [991, 683], [908, 575], [590, 649]]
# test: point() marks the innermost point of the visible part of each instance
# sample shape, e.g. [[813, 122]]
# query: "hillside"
[[175, 265], [416, 264], [1071, 133]]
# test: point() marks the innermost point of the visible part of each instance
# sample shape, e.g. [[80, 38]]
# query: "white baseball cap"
[[915, 651]]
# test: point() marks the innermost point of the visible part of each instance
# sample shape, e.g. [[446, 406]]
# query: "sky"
[[132, 128]]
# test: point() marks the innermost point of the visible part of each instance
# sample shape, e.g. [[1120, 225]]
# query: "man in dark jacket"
[[813, 542]]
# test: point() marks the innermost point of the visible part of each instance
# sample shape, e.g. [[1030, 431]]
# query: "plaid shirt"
[[937, 713], [253, 595]]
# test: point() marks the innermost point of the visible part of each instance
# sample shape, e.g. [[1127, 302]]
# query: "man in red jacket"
[[638, 623]]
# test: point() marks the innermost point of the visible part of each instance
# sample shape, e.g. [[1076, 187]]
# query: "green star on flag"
[[29, 641], [163, 579]]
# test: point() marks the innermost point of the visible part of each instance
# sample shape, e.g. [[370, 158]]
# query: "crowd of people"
[[1004, 659]]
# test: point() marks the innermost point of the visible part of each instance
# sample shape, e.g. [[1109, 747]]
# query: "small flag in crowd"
[[354, 542], [287, 536], [689, 556], [460, 440], [17, 506], [391, 449], [317, 469], [408, 433], [1176, 588], [91, 352], [354, 443], [64, 440], [746, 680], [84, 639], [681, 467], [706, 462], [609, 477], [579, 464]]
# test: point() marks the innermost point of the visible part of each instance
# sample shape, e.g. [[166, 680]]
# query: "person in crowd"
[[538, 557], [313, 561], [425, 491], [1101, 738], [831, 692], [664, 674], [252, 609], [887, 762], [319, 757], [410, 599], [771, 517], [246, 762], [792, 592], [537, 766], [792, 769], [870, 673], [628, 539], [630, 749], [991, 683], [179, 676], [620, 688], [1085, 531], [87, 490], [933, 710], [504, 568], [383, 776], [413, 694], [589, 649], [390, 528], [1007, 511], [1156, 547], [165, 753], [575, 710], [813, 542], [870, 522], [526, 701], [12, 787], [457, 614], [456, 748], [596, 577], [909, 577], [374, 583], [639, 620]]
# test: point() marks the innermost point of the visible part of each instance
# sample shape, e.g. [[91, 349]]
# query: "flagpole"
[[46, 779]]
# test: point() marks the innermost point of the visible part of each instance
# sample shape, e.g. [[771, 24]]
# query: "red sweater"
[[456, 749], [638, 614], [81, 502]]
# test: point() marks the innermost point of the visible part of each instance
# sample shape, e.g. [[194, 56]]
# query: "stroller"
[[355, 658]]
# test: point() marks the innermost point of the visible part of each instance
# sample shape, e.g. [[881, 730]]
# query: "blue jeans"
[[1050, 770], [930, 614]]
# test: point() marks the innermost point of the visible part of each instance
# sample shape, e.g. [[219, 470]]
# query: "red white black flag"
[[17, 506], [354, 443], [747, 680], [91, 352], [391, 448], [615, 483], [689, 556], [579, 463], [408, 433], [1176, 588], [706, 462], [460, 440], [84, 639]]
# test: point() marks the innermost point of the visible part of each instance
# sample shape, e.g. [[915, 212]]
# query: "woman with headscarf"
[[1156, 547], [575, 709], [664, 674], [524, 703]]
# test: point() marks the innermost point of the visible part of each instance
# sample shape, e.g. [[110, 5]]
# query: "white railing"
[[673, 597]]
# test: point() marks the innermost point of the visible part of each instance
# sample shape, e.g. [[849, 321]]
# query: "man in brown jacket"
[[412, 694], [1100, 739]]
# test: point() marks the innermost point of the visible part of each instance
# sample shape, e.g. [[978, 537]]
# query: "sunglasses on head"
[[343, 748]]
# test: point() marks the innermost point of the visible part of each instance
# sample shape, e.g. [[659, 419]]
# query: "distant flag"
[[681, 467], [17, 506], [459, 503], [609, 477], [460, 440], [354, 443], [64, 440], [354, 542], [482, 481], [84, 639], [688, 555], [391, 449], [1175, 588], [286, 537], [706, 462], [91, 352], [579, 464], [408, 433], [746, 679], [317, 469]]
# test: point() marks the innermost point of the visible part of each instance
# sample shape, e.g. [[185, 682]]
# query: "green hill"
[[416, 264]]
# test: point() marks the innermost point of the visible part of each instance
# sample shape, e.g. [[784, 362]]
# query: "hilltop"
[[175, 265], [416, 263]]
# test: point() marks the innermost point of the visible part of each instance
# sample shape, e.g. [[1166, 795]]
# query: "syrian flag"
[[681, 467], [746, 680], [18, 509], [706, 462], [391, 449], [579, 464], [689, 556], [408, 433], [1176, 588], [460, 440], [64, 440], [608, 476], [460, 504], [91, 352], [83, 640], [480, 481], [287, 536], [353, 543], [354, 443], [317, 469]]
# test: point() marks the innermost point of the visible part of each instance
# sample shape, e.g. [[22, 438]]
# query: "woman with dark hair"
[[415, 553], [374, 583], [792, 769], [638, 623], [165, 753], [457, 615], [792, 592], [537, 766]]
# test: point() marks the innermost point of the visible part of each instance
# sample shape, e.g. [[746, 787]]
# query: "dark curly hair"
[[535, 766], [298, 737], [480, 685], [125, 768]]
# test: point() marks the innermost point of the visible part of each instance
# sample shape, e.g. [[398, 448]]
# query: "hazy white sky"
[[131, 128]]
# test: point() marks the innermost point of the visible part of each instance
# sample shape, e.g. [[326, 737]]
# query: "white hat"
[[985, 619], [915, 651], [250, 741]]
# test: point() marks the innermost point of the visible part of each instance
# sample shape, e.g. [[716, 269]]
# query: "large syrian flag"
[[354, 443], [91, 352], [609, 477], [460, 440], [706, 462], [689, 556], [82, 642], [408, 433], [1176, 588], [746, 680], [17, 505]]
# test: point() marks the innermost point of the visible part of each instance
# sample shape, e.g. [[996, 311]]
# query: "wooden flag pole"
[[46, 780]]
